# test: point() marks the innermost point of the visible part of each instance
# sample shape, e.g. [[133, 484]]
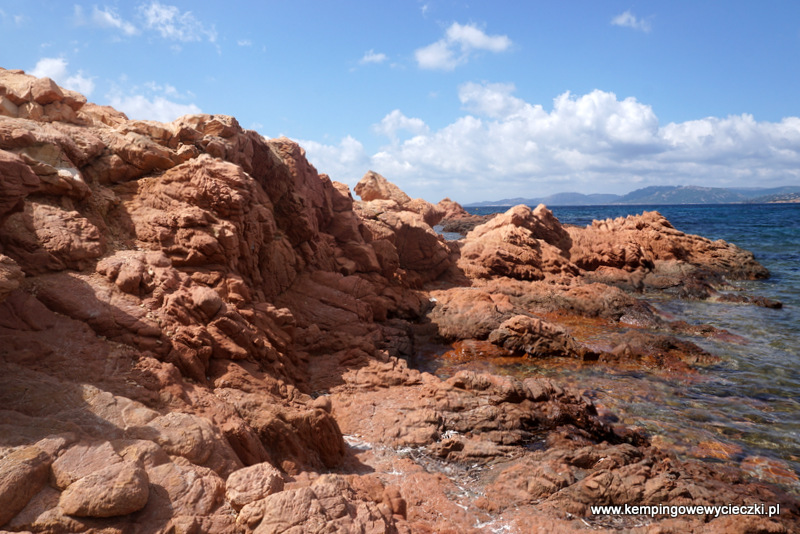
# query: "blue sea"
[[746, 408]]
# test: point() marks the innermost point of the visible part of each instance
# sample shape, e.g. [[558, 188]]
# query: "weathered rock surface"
[[649, 242], [40, 99], [373, 186], [520, 244], [111, 491], [252, 484], [23, 473], [195, 325], [453, 210], [17, 180], [537, 338], [10, 276], [458, 220], [402, 239], [330, 504]]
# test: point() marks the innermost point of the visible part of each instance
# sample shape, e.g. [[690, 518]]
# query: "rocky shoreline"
[[200, 333]]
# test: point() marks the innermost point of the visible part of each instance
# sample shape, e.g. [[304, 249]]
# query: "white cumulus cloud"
[[395, 122], [50, 67], [437, 56], [504, 146], [80, 83], [346, 162], [157, 108], [57, 70], [629, 20], [457, 46], [152, 101], [491, 100], [471, 38]]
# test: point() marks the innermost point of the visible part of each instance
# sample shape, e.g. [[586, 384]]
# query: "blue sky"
[[471, 100]]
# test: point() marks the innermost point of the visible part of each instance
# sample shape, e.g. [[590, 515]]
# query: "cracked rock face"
[[201, 333]]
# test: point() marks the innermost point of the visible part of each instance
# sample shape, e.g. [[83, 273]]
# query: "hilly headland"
[[661, 195]]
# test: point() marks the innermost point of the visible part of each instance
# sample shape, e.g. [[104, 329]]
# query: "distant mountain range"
[[669, 194]]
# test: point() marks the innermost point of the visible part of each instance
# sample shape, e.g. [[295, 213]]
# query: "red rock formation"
[[458, 220], [162, 248], [373, 186], [27, 97], [649, 243], [17, 180], [401, 229], [10, 276], [195, 325], [453, 210], [520, 244]]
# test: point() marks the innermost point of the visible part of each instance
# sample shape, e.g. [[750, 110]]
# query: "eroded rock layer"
[[200, 333]]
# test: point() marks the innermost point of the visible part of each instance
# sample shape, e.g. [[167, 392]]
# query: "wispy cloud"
[[457, 46], [108, 18], [166, 20], [244, 42], [372, 57], [629, 20], [175, 25], [57, 70], [18, 20]]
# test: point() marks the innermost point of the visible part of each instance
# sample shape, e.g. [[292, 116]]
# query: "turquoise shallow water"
[[749, 402]]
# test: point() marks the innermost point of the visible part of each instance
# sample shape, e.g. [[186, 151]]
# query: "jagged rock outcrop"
[[649, 243], [457, 220], [200, 333], [39, 99], [523, 244], [373, 186], [17, 180], [401, 228], [452, 210], [199, 261], [536, 338]]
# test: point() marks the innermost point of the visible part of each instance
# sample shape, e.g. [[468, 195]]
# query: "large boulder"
[[535, 337], [373, 186], [23, 473], [522, 243]]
